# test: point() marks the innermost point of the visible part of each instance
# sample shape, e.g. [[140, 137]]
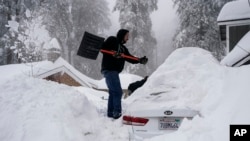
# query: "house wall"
[[63, 78]]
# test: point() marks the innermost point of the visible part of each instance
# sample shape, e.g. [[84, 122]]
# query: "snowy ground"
[[33, 109]]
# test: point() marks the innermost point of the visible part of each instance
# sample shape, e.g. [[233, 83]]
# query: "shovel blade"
[[90, 46]]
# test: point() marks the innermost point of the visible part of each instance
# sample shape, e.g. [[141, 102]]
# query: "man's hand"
[[143, 60]]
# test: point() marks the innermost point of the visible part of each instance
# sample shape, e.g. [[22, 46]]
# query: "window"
[[236, 33]]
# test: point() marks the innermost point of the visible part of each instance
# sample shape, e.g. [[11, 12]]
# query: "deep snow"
[[36, 109]]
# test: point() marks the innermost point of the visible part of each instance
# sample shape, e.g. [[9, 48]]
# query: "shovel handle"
[[122, 54]]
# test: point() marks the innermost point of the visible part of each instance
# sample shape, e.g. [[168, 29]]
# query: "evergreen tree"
[[198, 25], [10, 43], [68, 22], [91, 16], [135, 16]]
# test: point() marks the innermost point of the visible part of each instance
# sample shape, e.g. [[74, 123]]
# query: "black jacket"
[[110, 62]]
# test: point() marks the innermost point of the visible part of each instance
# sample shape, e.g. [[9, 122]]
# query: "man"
[[112, 65]]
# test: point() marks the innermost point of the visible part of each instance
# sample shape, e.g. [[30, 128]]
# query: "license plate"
[[169, 123]]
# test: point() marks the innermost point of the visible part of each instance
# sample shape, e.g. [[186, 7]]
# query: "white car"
[[149, 123]]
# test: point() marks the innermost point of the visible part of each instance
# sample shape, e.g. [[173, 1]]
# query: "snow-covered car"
[[172, 95], [152, 122]]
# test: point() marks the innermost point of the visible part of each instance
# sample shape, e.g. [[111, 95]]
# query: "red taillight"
[[137, 121]]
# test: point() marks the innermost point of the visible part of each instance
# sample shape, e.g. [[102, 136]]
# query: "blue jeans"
[[115, 93]]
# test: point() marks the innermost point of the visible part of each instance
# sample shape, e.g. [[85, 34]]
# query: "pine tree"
[[198, 25], [68, 21], [135, 16], [11, 41]]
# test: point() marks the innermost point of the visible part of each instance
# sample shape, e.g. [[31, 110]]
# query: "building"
[[62, 72], [234, 22], [52, 50]]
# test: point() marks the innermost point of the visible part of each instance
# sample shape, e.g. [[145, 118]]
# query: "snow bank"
[[182, 81], [220, 93], [219, 110], [28, 69], [38, 110], [34, 109], [192, 78]]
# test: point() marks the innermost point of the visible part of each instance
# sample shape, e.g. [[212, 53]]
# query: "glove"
[[143, 60]]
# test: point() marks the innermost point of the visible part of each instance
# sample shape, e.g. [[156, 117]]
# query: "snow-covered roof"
[[52, 44], [234, 11], [61, 65]]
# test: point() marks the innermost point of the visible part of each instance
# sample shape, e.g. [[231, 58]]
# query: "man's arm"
[[133, 61], [142, 60]]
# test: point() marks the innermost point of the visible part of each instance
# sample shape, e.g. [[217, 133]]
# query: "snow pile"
[[98, 98], [38, 110], [182, 81], [192, 78], [35, 109], [27, 69]]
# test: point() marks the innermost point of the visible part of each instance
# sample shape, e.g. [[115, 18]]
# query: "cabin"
[[234, 22], [62, 72]]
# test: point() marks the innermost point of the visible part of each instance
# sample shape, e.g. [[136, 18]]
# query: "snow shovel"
[[91, 46]]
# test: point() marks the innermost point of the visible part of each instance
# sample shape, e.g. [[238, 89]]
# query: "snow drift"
[[34, 109]]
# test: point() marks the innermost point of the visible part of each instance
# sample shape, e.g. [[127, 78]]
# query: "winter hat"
[[120, 34]]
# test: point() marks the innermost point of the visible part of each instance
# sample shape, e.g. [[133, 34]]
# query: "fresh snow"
[[235, 10], [36, 109], [13, 25]]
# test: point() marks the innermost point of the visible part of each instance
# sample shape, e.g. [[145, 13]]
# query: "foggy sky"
[[165, 22]]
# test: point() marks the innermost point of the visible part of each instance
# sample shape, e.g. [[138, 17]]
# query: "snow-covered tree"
[[135, 16], [29, 37], [12, 13], [91, 16], [199, 26], [3, 17], [67, 20]]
